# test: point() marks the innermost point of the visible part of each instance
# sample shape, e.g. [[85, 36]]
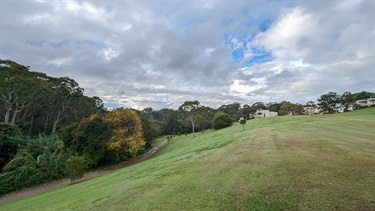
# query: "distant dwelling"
[[339, 108], [264, 113], [366, 102]]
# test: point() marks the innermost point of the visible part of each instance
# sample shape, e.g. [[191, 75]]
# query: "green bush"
[[41, 160], [88, 138], [243, 123], [11, 140], [222, 120], [76, 168]]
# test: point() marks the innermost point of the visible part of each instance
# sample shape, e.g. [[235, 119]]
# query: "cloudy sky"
[[161, 53]]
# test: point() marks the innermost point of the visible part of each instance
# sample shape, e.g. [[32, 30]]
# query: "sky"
[[159, 54]]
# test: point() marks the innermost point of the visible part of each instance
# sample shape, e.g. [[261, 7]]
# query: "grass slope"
[[300, 163]]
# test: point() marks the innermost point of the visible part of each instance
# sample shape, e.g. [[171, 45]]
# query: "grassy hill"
[[322, 162]]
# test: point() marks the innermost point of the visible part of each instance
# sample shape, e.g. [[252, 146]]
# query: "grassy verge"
[[322, 162], [158, 140]]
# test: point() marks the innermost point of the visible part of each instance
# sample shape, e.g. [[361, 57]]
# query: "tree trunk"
[[58, 119], [17, 110], [8, 109], [192, 125], [31, 124], [55, 124], [47, 118], [8, 103], [14, 116]]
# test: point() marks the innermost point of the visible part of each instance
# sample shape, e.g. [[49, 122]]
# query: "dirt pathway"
[[87, 176]]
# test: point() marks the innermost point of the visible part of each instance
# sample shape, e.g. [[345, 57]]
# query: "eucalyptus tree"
[[26, 96], [173, 121], [65, 96], [189, 108], [15, 91], [204, 117]]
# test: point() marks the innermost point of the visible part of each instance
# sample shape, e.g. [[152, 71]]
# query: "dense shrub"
[[41, 160], [11, 140], [222, 120], [108, 138], [90, 138]]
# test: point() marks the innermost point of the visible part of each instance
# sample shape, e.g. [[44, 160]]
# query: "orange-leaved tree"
[[126, 140]]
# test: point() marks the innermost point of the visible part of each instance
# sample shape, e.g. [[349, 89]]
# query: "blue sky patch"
[[264, 24], [239, 48], [260, 57]]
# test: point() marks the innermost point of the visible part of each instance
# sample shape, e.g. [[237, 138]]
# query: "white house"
[[366, 102], [264, 113]]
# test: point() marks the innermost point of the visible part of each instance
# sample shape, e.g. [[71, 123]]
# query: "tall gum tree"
[[190, 108], [18, 89]]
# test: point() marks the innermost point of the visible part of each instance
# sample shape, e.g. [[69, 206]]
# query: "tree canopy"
[[329, 101], [39, 103]]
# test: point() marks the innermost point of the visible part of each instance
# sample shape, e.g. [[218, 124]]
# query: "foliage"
[[233, 110], [151, 129], [276, 107], [204, 116], [75, 167], [39, 103], [243, 123], [288, 108], [310, 103], [41, 160], [248, 110], [363, 95], [347, 100], [67, 134], [11, 139], [127, 139], [190, 108], [222, 120], [329, 102], [90, 139], [109, 138], [259, 105]]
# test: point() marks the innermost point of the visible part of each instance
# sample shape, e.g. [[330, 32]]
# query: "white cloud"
[[244, 89], [208, 51], [298, 63], [58, 62], [236, 43], [39, 19], [284, 36], [86, 10], [109, 53]]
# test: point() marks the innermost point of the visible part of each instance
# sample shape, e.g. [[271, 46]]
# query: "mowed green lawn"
[[324, 162]]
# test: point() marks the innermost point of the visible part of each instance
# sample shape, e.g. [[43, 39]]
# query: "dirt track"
[[87, 176]]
